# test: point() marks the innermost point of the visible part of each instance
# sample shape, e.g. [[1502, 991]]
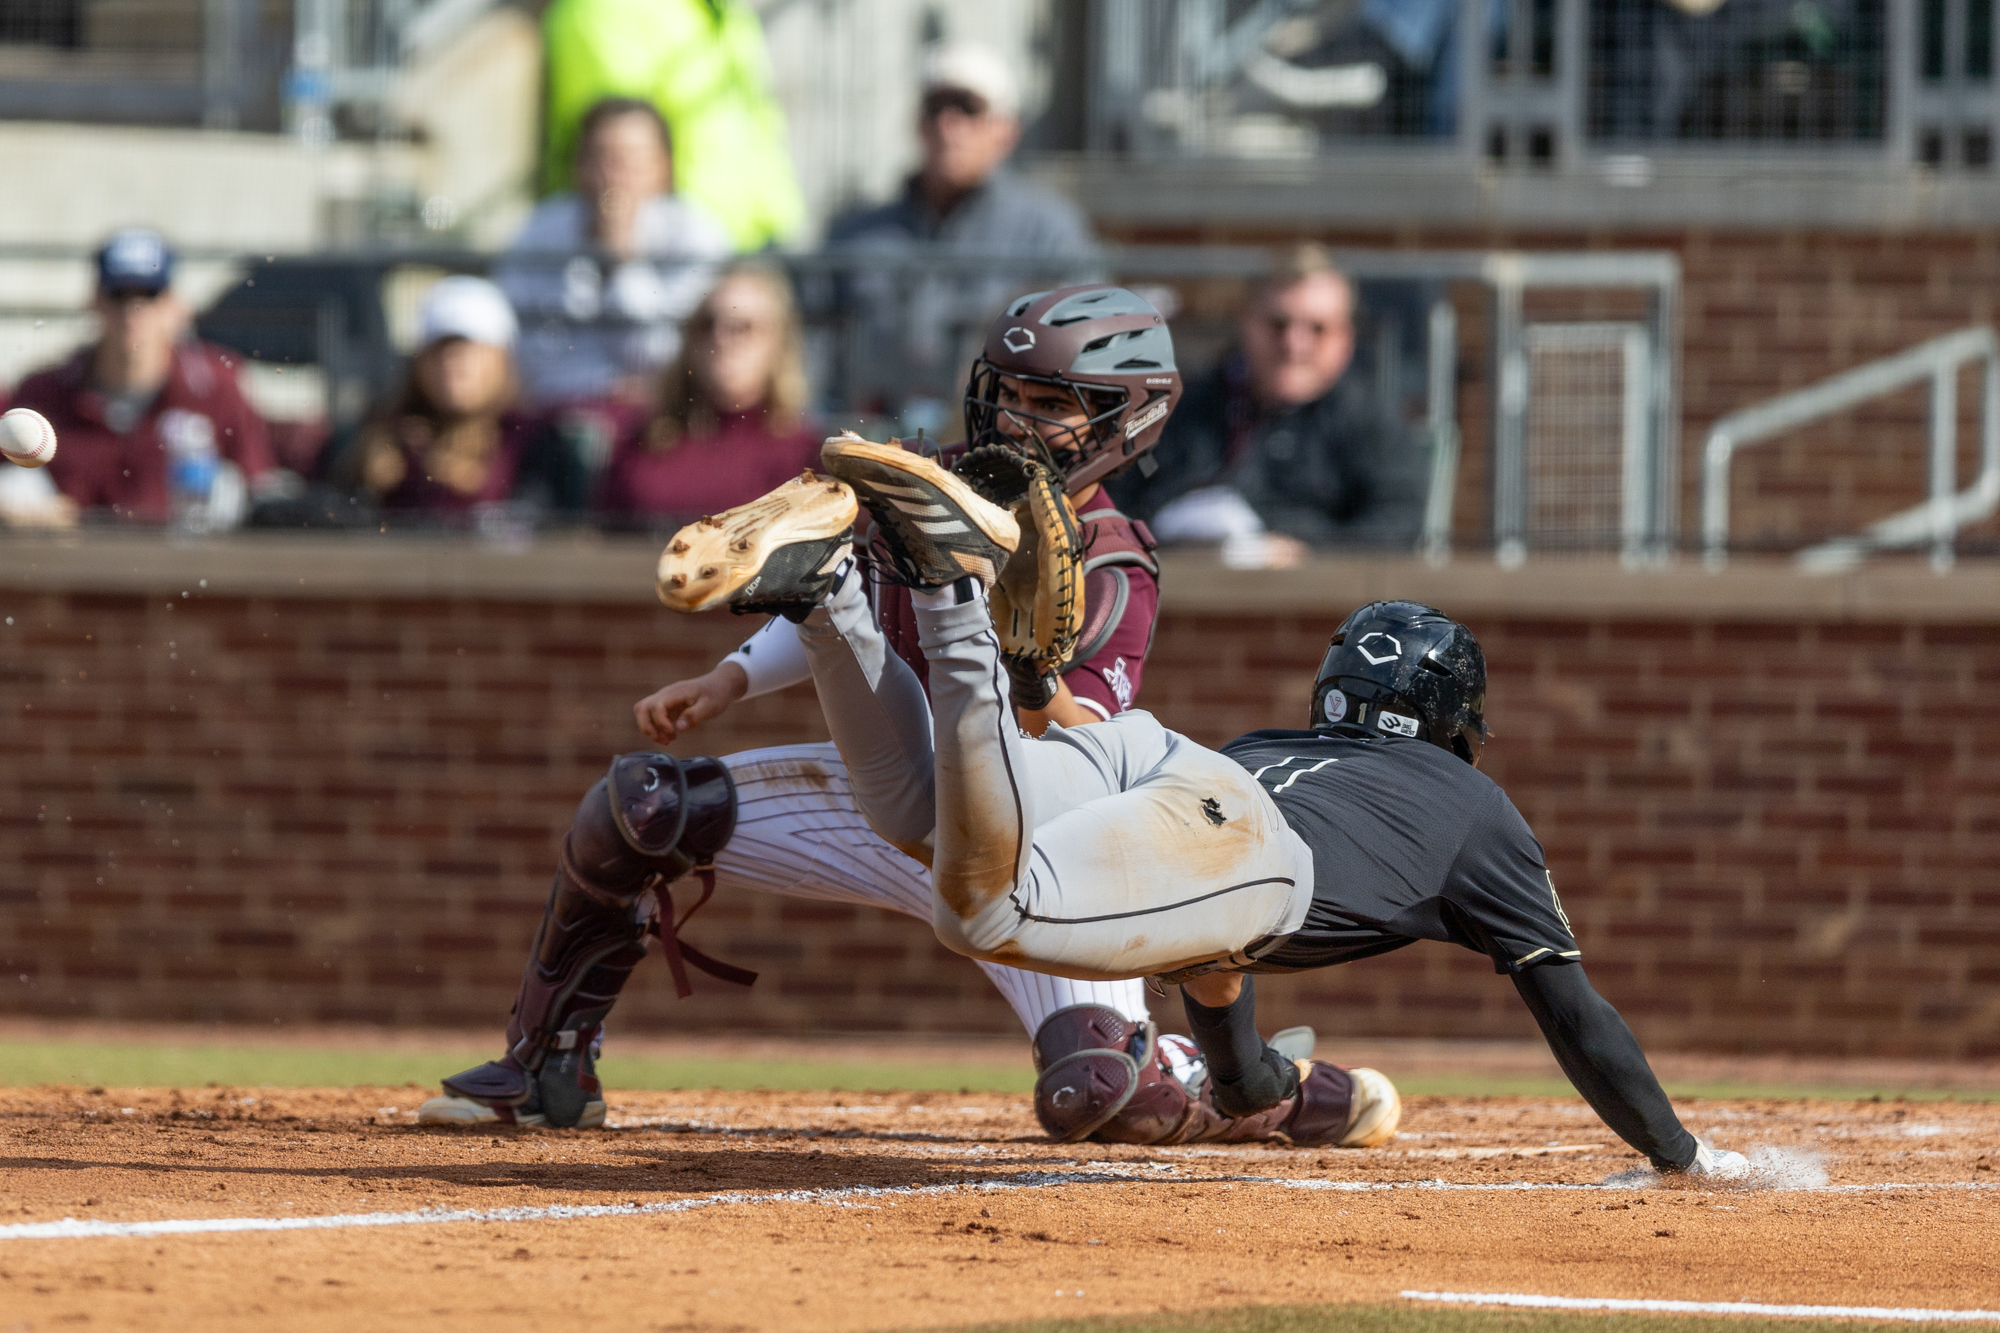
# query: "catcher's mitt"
[[1038, 601]]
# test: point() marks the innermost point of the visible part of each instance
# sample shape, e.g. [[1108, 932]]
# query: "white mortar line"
[[69, 1228], [1906, 1314]]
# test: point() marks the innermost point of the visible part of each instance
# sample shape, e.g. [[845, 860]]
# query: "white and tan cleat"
[[778, 553], [937, 529], [449, 1110], [1377, 1110]]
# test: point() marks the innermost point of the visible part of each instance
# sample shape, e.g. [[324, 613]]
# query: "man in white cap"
[[961, 198]]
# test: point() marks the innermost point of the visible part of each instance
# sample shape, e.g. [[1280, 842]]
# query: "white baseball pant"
[[800, 834]]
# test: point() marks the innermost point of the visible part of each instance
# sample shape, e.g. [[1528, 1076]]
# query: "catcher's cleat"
[[1038, 601], [564, 1093], [451, 1110], [776, 554], [1375, 1108], [934, 527]]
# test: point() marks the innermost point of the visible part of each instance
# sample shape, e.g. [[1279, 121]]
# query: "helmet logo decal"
[[1018, 339], [1395, 724], [1146, 418], [1334, 705], [1395, 648]]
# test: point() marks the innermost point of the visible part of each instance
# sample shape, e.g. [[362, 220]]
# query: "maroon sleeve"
[[1110, 679]]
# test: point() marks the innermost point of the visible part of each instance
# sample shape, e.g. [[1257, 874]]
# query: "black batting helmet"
[[1405, 669], [1106, 347]]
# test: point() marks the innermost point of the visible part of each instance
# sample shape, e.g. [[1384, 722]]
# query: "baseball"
[[26, 437]]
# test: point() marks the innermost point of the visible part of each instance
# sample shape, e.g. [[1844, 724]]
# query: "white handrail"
[[1936, 519]]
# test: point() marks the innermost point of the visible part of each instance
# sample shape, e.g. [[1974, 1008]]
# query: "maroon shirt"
[[706, 474], [419, 490], [126, 473], [1108, 680]]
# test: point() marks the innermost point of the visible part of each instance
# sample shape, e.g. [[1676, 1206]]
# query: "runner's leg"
[[1116, 849]]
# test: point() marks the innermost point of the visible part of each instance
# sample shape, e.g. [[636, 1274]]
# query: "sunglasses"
[[939, 100]]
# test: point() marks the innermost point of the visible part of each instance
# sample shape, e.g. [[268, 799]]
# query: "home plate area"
[[734, 1210]]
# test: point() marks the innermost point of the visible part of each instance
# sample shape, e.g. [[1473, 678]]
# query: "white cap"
[[978, 70], [466, 307]]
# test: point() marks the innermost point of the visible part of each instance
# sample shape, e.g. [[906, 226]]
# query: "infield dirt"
[[820, 1211]]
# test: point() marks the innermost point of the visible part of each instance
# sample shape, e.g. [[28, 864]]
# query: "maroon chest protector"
[[1112, 544]]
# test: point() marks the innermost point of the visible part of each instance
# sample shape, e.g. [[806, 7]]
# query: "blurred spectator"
[[153, 424], [602, 322], [449, 440], [915, 335], [702, 63], [732, 421], [1279, 448]]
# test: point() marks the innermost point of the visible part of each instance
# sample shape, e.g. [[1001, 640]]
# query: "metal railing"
[[335, 326], [1938, 519], [1554, 84]]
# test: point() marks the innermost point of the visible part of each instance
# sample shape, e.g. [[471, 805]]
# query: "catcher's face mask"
[[1045, 417]]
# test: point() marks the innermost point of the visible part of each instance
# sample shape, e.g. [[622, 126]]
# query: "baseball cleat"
[[449, 1110], [935, 527], [776, 554], [563, 1094], [1376, 1109]]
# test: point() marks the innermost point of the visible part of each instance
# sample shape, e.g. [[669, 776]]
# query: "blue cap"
[[137, 259]]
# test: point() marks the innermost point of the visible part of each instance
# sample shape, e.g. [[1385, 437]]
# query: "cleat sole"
[[725, 558]]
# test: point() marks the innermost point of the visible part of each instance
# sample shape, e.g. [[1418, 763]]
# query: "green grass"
[[1423, 1317], [129, 1065], [136, 1065], [1477, 1085]]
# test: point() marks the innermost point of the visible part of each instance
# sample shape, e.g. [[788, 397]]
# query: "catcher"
[[1079, 404], [1121, 849]]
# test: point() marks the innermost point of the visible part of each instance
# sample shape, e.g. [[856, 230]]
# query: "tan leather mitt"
[[1038, 601]]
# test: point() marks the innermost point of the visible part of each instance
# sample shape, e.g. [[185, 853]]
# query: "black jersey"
[[1409, 842]]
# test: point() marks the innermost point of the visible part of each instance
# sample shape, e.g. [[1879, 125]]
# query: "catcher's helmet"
[[1106, 347], [1405, 669]]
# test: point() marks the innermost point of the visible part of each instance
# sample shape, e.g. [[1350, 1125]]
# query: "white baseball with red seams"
[[26, 437]]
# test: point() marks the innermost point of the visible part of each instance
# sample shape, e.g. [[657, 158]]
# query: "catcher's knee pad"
[[651, 816], [1104, 1077]]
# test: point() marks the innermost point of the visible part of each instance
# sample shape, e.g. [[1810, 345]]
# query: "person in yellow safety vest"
[[704, 65]]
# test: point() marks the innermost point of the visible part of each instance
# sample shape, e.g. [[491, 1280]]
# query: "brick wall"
[[1763, 312], [1776, 833]]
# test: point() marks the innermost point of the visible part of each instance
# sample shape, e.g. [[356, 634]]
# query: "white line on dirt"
[[70, 1228], [1908, 1315]]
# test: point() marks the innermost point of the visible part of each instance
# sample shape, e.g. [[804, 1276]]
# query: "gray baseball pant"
[[1113, 850]]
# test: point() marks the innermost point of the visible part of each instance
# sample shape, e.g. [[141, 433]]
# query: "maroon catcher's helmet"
[[1106, 347]]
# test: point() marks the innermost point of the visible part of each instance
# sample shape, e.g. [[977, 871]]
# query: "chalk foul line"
[[1904, 1314], [70, 1228], [851, 1196]]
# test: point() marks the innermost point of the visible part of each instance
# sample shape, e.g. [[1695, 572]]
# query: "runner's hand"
[[674, 710]]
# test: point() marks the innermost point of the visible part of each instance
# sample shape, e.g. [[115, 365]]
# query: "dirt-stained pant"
[[1118, 849]]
